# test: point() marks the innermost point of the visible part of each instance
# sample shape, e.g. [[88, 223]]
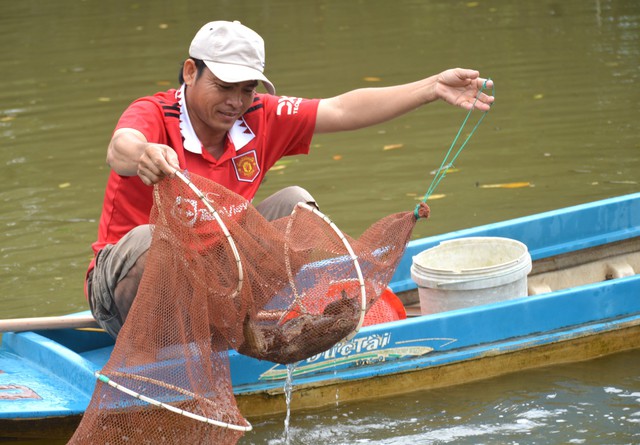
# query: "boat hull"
[[458, 347], [47, 377]]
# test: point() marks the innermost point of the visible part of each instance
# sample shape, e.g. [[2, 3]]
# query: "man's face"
[[214, 105]]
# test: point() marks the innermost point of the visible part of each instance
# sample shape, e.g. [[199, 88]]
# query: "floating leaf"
[[538, 96], [508, 185], [7, 118], [163, 26], [472, 4], [163, 82], [64, 185], [278, 167], [104, 99], [337, 157], [451, 169], [371, 79], [392, 146]]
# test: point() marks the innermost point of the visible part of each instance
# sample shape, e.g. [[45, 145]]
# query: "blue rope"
[[448, 163]]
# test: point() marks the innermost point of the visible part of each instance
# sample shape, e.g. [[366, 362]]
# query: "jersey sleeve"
[[291, 122], [145, 116]]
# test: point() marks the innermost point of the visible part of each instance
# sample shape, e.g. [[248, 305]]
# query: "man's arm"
[[369, 106], [130, 154]]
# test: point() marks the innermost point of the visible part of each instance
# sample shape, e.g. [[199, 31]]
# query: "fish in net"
[[219, 276]]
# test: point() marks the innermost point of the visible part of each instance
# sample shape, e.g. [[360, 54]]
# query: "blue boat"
[[583, 302]]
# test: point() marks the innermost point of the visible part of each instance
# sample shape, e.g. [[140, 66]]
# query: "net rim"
[[222, 225], [104, 379], [363, 292]]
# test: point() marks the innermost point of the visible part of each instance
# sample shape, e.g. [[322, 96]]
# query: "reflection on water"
[[565, 122]]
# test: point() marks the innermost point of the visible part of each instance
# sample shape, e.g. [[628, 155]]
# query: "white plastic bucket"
[[469, 272]]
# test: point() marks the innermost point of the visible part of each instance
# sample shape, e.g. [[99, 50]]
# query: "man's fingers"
[[149, 175], [483, 83], [157, 162], [152, 166]]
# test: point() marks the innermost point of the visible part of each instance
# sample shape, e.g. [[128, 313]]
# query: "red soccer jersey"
[[272, 128]]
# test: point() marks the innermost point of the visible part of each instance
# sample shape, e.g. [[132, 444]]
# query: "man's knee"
[[282, 203], [127, 288]]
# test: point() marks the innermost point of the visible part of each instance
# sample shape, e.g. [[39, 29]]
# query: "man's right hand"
[[157, 161]]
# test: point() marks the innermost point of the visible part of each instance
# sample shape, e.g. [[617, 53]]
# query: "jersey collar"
[[239, 135]]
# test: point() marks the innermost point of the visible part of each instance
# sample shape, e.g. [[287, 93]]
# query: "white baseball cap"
[[233, 52]]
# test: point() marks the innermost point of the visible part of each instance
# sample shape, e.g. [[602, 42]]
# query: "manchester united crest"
[[247, 168]]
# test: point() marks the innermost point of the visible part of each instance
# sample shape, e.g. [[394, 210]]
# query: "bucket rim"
[[523, 255], [471, 281], [431, 269], [471, 270]]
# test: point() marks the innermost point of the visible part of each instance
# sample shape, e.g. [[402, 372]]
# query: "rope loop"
[[448, 161]]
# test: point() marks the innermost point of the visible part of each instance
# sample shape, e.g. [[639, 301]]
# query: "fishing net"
[[219, 276]]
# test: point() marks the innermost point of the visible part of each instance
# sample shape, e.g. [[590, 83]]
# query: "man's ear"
[[189, 72]]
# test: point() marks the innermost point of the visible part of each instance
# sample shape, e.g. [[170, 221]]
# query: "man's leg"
[[113, 283], [282, 203]]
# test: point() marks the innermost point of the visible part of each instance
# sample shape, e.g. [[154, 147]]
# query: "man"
[[217, 126]]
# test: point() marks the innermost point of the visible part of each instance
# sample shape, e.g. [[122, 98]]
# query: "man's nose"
[[234, 97]]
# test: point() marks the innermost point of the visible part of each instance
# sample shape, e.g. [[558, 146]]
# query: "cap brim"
[[231, 73]]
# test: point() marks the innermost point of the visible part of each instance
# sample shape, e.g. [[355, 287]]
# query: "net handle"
[[103, 378], [352, 255], [222, 225]]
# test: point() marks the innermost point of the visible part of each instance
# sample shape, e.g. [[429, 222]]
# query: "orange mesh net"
[[280, 291]]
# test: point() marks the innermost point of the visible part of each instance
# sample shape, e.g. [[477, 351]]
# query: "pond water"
[[564, 130]]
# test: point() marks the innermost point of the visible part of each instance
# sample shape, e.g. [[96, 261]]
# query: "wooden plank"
[[47, 323]]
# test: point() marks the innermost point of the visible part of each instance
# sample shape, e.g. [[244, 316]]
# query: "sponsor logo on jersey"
[[288, 105]]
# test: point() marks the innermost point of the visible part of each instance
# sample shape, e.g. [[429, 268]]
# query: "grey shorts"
[[114, 261]]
